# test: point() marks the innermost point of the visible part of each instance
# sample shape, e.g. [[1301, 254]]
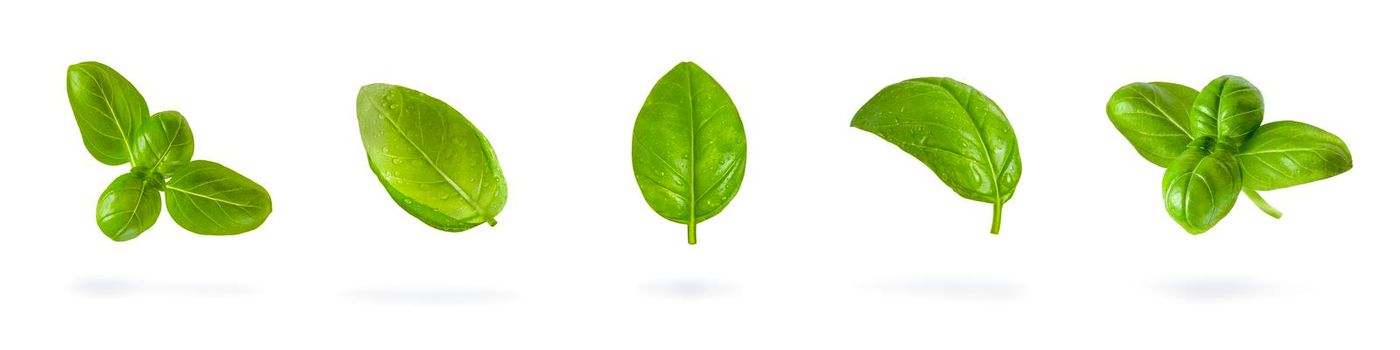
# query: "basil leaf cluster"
[[1213, 146], [117, 128]]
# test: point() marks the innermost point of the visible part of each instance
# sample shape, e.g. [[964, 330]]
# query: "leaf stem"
[[690, 232], [996, 217], [1259, 202]]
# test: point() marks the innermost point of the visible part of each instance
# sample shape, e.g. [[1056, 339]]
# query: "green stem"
[[690, 232], [996, 217], [1259, 202]]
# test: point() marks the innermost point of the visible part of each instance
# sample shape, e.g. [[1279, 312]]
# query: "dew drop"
[[398, 161]]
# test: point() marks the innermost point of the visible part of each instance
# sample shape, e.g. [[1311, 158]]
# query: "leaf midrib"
[[112, 113], [140, 196], [981, 140], [220, 200], [690, 183], [1164, 114], [433, 163]]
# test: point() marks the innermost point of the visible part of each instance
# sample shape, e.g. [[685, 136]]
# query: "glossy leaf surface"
[[1154, 118], [1201, 186], [953, 129], [207, 198], [164, 142], [128, 206], [108, 110], [1289, 153], [688, 147], [1228, 109], [433, 162]]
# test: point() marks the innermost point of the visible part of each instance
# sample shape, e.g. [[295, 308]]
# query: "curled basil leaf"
[[953, 129], [207, 198], [164, 142], [129, 206], [433, 162], [1202, 184], [108, 110], [1154, 118], [1228, 109], [1288, 153], [688, 147]]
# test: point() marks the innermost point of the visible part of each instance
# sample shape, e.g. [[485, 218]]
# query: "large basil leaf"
[[210, 199], [688, 147], [128, 206], [108, 109], [1153, 117], [953, 129], [1201, 186], [1228, 109], [434, 163], [1289, 153], [164, 142]]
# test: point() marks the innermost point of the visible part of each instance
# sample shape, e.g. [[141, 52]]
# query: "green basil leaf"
[[434, 163], [1228, 109], [1201, 186], [210, 199], [128, 206], [108, 109], [953, 129], [164, 142], [688, 147], [1289, 153], [1153, 117]]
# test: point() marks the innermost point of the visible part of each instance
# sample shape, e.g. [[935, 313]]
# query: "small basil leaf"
[[953, 129], [1228, 109], [1153, 117], [210, 199], [1201, 185], [688, 147], [164, 142], [108, 109], [128, 206], [1289, 153], [433, 162]]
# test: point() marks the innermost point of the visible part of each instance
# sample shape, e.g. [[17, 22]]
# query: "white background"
[[836, 239]]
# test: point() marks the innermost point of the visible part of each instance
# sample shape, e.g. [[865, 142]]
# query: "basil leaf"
[[210, 199], [688, 147], [953, 129], [1201, 185], [108, 109], [1228, 109], [164, 142], [128, 206], [1288, 153], [1153, 117], [434, 163]]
